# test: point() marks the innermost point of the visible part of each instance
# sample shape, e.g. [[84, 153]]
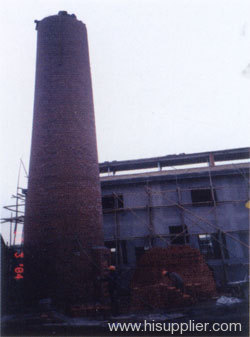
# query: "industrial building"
[[188, 199]]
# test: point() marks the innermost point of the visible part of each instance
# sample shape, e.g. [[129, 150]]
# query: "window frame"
[[181, 239], [208, 200], [117, 202]]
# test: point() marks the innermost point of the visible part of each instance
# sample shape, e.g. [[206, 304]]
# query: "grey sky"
[[168, 76]]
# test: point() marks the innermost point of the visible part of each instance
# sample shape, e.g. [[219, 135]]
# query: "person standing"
[[113, 288]]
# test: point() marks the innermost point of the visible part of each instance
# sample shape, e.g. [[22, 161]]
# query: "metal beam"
[[175, 160]]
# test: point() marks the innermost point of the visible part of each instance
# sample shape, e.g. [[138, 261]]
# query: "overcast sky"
[[169, 76]]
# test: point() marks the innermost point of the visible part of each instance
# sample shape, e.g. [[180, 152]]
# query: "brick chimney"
[[63, 216]]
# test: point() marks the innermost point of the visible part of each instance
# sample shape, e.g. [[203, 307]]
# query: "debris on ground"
[[225, 300]]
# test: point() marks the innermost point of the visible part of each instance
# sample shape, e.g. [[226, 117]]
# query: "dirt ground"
[[55, 324]]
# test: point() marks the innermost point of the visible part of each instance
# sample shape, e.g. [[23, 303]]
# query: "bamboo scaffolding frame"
[[221, 245], [134, 237], [183, 189], [201, 219], [165, 237], [208, 222], [139, 208]]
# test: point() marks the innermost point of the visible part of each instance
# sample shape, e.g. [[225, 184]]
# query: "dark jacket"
[[113, 281], [176, 279]]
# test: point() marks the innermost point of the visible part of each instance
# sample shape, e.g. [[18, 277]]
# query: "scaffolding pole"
[[117, 232], [219, 231], [149, 212]]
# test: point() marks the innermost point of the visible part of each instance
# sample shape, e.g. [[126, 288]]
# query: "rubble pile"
[[152, 290]]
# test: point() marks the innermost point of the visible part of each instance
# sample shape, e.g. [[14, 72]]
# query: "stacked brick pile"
[[151, 290], [158, 296]]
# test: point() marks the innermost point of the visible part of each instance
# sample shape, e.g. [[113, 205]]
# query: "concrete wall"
[[230, 215]]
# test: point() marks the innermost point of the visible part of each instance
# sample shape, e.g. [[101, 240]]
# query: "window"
[[203, 197], [179, 235], [206, 245], [210, 245], [112, 202]]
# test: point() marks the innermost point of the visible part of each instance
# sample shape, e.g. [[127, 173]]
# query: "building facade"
[[202, 203]]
